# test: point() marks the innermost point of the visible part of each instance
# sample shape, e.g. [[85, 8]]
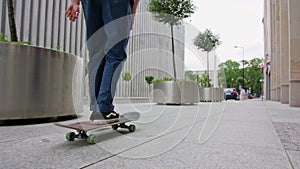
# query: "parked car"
[[231, 94]]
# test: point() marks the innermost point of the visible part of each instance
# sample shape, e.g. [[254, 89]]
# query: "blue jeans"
[[108, 24]]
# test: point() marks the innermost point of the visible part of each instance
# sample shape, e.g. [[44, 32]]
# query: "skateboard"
[[82, 127]]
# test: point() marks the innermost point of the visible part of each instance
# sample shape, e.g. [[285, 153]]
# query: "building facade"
[[44, 24], [282, 51]]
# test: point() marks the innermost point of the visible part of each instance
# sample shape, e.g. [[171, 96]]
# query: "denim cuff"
[[106, 108]]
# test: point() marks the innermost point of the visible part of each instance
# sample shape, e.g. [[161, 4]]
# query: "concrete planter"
[[175, 92], [211, 94], [38, 83]]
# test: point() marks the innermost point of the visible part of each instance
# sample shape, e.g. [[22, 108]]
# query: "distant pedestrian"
[[242, 94], [258, 95], [235, 94]]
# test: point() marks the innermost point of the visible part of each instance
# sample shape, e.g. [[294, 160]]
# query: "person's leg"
[[95, 38], [98, 79], [117, 19]]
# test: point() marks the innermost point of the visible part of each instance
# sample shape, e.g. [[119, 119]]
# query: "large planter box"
[[38, 83], [211, 94], [175, 92]]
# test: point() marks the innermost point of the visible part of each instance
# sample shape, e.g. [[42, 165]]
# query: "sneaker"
[[111, 115], [104, 117]]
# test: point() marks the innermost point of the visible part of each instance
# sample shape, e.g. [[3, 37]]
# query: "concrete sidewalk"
[[231, 134]]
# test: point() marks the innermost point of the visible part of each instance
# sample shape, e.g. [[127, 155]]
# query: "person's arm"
[[134, 9], [73, 10]]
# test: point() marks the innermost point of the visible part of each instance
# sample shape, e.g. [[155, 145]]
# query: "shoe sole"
[[99, 122]]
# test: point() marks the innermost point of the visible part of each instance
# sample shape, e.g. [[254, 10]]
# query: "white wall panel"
[[43, 23]]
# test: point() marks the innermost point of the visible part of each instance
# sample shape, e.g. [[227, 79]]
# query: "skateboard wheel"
[[131, 128], [91, 139], [115, 126], [70, 136]]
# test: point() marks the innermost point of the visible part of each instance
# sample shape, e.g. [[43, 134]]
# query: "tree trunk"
[[11, 20], [173, 51], [207, 69]]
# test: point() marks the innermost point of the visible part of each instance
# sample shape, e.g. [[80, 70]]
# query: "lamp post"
[[243, 63]]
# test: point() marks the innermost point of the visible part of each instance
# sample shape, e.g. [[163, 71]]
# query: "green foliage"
[[21, 43], [234, 74], [149, 79], [253, 75], [168, 79], [190, 76], [58, 47], [2, 39], [207, 41], [230, 74], [171, 12], [203, 80], [1, 36], [163, 79], [126, 76]]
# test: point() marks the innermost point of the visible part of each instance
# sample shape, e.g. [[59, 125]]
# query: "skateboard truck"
[[70, 136], [131, 127], [91, 139]]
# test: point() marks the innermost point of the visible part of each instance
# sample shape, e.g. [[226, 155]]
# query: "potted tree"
[[37, 82], [207, 41], [171, 90]]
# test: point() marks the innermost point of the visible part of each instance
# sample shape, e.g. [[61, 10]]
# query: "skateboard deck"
[[82, 127]]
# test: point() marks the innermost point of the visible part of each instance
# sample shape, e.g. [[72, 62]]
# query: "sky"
[[237, 22]]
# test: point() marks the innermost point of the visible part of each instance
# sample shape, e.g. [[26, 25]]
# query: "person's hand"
[[133, 9], [132, 20], [73, 10]]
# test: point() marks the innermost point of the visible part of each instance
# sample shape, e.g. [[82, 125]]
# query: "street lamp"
[[243, 63]]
